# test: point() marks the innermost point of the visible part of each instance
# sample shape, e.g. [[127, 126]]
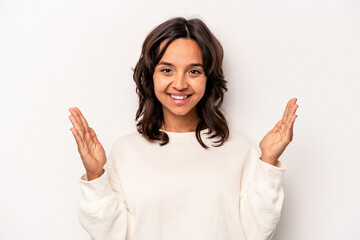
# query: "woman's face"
[[179, 78]]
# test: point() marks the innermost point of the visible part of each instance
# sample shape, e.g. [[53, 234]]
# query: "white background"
[[60, 54]]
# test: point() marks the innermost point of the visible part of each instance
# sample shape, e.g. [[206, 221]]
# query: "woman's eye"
[[166, 70], [194, 71]]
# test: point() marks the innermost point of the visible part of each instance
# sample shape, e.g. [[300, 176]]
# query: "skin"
[[91, 151], [277, 139], [180, 71], [179, 77]]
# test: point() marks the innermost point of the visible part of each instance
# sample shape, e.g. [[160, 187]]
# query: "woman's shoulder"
[[237, 137], [132, 136], [130, 139]]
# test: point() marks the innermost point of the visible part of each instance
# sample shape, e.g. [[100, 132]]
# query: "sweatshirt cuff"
[[96, 189], [269, 174]]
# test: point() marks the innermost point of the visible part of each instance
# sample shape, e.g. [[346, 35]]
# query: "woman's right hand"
[[91, 151]]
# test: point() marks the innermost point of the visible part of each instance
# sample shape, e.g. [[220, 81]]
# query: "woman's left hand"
[[275, 142]]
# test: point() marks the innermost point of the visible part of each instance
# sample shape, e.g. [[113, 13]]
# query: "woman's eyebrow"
[[170, 64]]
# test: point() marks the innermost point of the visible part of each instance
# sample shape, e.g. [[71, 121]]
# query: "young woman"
[[183, 174]]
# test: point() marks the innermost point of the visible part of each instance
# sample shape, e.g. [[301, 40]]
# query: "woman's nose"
[[180, 82]]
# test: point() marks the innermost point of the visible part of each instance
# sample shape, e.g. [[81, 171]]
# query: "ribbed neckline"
[[183, 136]]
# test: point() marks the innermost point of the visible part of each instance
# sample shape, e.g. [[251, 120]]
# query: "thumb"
[[93, 135], [277, 126]]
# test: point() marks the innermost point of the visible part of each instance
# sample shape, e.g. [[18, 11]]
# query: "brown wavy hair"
[[149, 115]]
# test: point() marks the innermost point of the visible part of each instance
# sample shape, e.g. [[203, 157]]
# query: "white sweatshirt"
[[181, 191]]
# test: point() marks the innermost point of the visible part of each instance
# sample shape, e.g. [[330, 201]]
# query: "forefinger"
[[83, 120], [288, 108]]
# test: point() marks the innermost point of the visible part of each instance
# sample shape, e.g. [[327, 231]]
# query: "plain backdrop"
[[59, 54]]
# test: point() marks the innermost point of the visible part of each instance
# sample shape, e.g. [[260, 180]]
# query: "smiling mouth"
[[179, 97]]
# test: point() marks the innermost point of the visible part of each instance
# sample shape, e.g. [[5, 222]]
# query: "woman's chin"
[[180, 111]]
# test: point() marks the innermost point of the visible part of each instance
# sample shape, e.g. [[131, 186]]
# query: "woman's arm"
[[103, 211], [261, 194], [261, 197]]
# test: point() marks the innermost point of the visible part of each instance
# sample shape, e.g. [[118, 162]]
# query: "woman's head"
[[184, 58], [180, 82]]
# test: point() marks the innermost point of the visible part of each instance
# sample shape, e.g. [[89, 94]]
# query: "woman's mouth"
[[179, 100]]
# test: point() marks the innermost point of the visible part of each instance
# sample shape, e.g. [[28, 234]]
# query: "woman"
[[183, 174]]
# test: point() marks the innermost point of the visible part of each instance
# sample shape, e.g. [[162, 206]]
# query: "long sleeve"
[[261, 197], [103, 211]]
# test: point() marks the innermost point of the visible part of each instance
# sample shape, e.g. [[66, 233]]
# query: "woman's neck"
[[179, 128], [180, 123]]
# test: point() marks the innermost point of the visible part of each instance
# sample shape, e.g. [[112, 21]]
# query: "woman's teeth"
[[179, 97]]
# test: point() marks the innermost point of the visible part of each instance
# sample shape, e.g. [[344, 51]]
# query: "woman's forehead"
[[182, 51]]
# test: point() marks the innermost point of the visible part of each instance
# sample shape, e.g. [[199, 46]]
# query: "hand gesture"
[[91, 151], [275, 142]]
